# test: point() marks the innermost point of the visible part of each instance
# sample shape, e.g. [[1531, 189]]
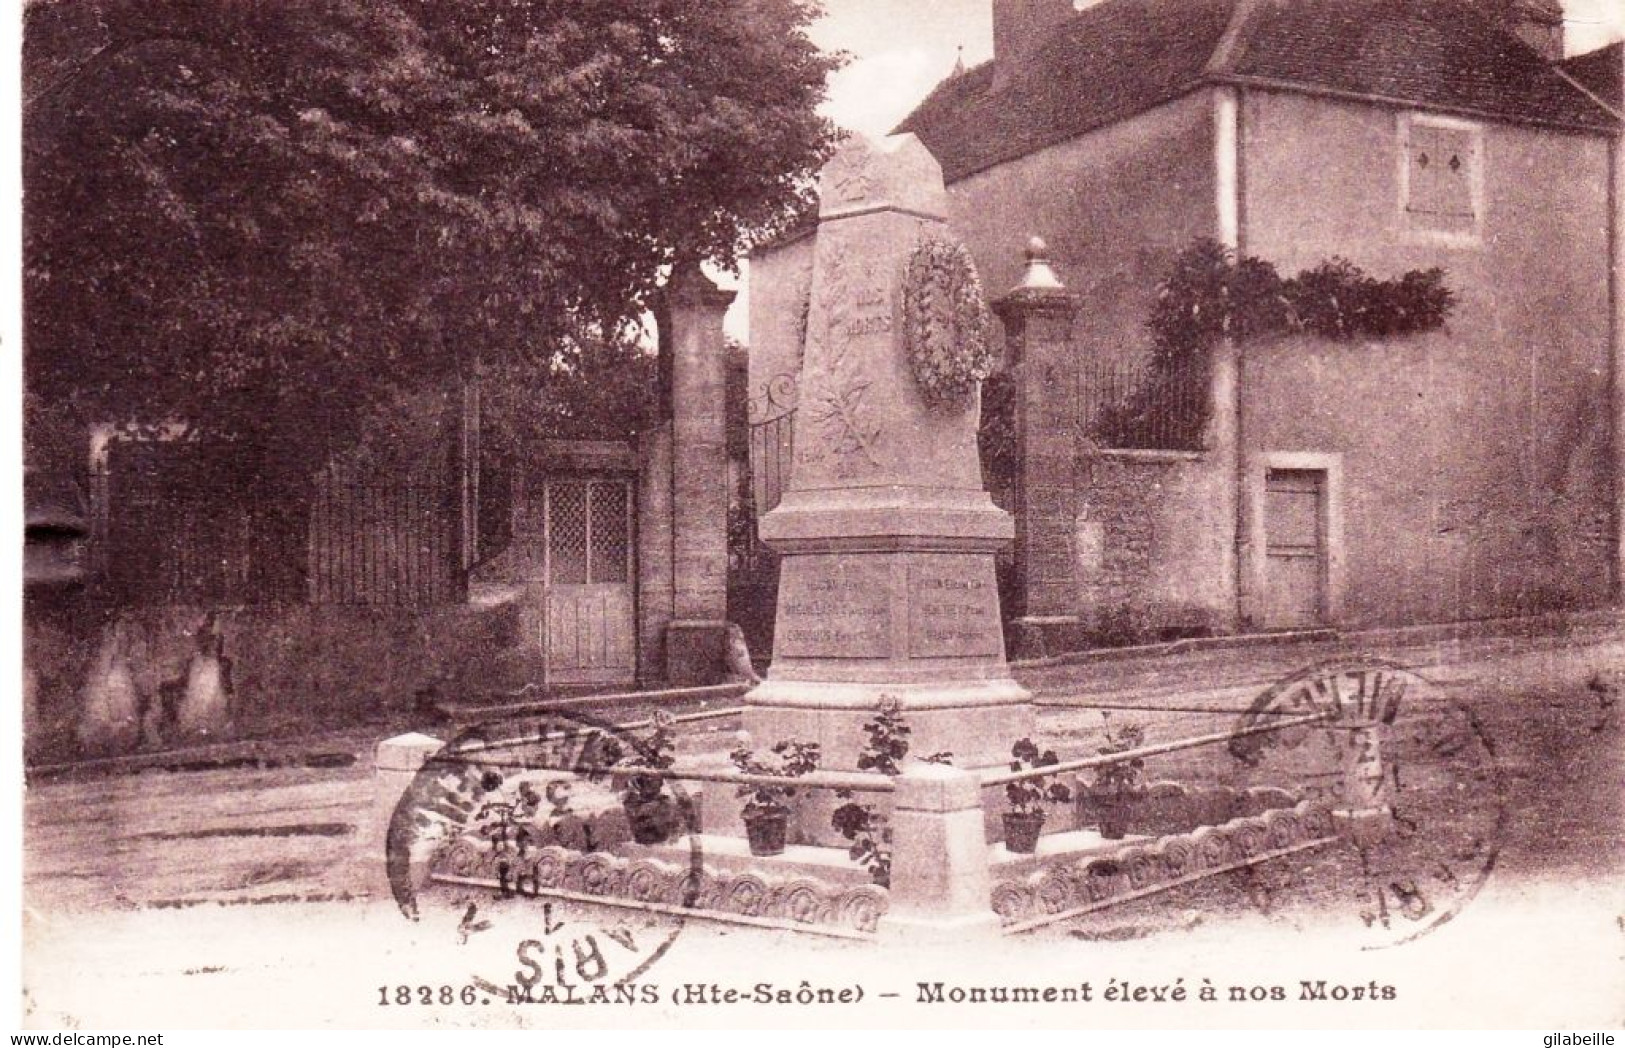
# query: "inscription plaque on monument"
[[953, 608], [834, 608]]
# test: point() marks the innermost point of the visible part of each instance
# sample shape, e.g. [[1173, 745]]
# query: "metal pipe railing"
[[686, 718], [1079, 764], [486, 745], [532, 700], [857, 782]]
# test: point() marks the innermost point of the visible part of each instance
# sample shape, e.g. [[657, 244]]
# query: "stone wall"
[[1477, 467], [1148, 562], [294, 667], [1119, 502], [1464, 493], [1110, 245], [1078, 585]]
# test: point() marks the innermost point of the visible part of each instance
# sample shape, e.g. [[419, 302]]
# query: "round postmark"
[[1410, 775], [555, 851]]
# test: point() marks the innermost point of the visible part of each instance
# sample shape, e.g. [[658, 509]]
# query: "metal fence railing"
[[392, 545], [1132, 405], [770, 417], [347, 544]]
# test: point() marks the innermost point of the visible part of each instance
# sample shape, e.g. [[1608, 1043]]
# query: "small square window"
[[1441, 182]]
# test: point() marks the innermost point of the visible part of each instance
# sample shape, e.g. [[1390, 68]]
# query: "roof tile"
[[1432, 53], [1121, 57]]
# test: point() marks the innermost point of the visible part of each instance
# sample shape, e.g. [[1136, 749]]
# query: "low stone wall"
[[106, 681], [1149, 531]]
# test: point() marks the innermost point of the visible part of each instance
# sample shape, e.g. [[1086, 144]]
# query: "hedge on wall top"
[[945, 324], [1211, 293]]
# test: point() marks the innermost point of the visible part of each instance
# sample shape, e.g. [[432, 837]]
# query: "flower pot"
[[1114, 821], [1110, 809], [652, 819], [1021, 830], [766, 833]]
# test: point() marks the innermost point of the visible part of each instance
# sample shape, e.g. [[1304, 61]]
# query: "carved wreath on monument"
[[945, 324]]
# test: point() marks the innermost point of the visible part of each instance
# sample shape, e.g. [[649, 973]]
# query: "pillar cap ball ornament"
[[1039, 274], [1040, 288]]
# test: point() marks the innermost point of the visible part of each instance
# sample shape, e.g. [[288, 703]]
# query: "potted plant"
[[1030, 796], [767, 810], [651, 811], [1117, 783]]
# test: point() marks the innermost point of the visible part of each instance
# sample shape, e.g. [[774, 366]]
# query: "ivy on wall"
[[1211, 293]]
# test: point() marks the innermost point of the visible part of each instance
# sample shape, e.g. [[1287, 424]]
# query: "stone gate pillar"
[[1037, 316], [696, 638], [654, 534]]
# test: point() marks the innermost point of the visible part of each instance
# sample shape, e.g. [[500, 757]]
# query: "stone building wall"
[[1115, 206], [1118, 505], [1146, 548], [1478, 466]]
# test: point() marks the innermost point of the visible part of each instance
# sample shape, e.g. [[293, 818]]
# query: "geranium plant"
[[767, 804], [651, 811], [859, 821], [788, 760], [1031, 796], [1126, 774], [1116, 783], [657, 750]]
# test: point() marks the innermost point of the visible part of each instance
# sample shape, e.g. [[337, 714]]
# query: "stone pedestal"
[[1363, 811], [696, 652], [886, 533], [396, 762], [941, 882]]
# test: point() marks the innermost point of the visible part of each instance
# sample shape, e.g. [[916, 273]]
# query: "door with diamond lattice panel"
[[590, 612]]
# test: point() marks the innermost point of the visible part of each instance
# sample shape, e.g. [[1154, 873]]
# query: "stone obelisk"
[[886, 534]]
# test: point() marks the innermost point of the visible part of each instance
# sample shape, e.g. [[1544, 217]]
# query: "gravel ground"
[[1536, 937]]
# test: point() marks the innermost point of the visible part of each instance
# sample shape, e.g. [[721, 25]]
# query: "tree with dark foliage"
[[264, 219]]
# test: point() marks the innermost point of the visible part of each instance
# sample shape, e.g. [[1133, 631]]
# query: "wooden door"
[[590, 609], [1294, 548]]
